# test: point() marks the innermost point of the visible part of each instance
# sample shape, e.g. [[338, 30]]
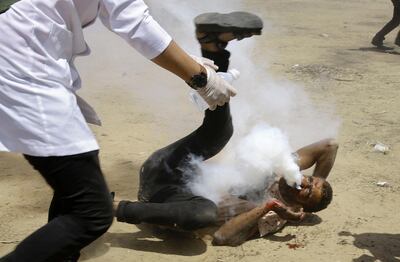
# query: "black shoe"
[[377, 41], [240, 24], [135, 207], [236, 22]]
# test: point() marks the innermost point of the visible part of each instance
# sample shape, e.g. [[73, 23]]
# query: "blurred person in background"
[[391, 25]]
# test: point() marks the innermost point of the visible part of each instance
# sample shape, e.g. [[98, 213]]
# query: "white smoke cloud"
[[248, 166]]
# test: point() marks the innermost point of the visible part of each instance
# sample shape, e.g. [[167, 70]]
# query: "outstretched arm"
[[131, 20], [322, 154]]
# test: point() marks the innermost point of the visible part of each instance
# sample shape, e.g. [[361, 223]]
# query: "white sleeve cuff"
[[151, 39], [131, 20]]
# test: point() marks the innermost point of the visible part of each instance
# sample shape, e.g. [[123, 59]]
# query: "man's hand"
[[174, 59], [217, 92], [284, 212]]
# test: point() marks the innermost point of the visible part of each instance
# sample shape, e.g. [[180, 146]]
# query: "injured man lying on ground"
[[239, 217], [165, 199]]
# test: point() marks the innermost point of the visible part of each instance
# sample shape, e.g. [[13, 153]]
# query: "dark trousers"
[[164, 199], [392, 24], [80, 212]]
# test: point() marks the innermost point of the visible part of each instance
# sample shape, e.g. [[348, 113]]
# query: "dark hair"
[[325, 200]]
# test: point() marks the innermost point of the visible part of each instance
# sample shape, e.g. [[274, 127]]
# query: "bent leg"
[[86, 208], [322, 154], [167, 165], [216, 128], [206, 141]]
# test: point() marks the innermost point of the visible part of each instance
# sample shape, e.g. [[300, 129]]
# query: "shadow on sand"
[[148, 239], [309, 220], [167, 241], [382, 246], [384, 49]]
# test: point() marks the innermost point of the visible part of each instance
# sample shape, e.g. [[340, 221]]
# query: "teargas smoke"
[[250, 166], [265, 151], [268, 115]]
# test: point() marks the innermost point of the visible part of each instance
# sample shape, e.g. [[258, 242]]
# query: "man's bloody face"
[[309, 195], [311, 192]]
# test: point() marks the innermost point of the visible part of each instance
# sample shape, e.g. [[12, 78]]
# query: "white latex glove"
[[204, 61], [217, 92]]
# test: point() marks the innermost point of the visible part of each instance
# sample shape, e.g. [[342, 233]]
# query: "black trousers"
[[80, 212], [392, 24], [164, 198]]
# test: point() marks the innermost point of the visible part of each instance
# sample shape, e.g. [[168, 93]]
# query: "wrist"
[[199, 80]]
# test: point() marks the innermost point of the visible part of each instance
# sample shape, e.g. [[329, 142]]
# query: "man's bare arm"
[[240, 228], [287, 213], [322, 154], [177, 61], [244, 226]]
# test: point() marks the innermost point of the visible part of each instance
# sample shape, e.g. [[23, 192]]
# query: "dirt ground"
[[321, 45]]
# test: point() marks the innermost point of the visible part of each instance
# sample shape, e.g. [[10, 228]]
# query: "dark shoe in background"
[[377, 41]]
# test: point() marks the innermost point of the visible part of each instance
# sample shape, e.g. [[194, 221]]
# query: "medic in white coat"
[[40, 114]]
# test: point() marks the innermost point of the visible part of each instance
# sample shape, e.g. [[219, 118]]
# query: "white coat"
[[40, 114]]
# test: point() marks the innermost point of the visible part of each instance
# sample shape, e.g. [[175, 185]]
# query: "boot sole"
[[235, 22]]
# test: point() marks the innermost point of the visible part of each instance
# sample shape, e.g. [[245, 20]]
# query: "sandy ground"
[[322, 46]]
